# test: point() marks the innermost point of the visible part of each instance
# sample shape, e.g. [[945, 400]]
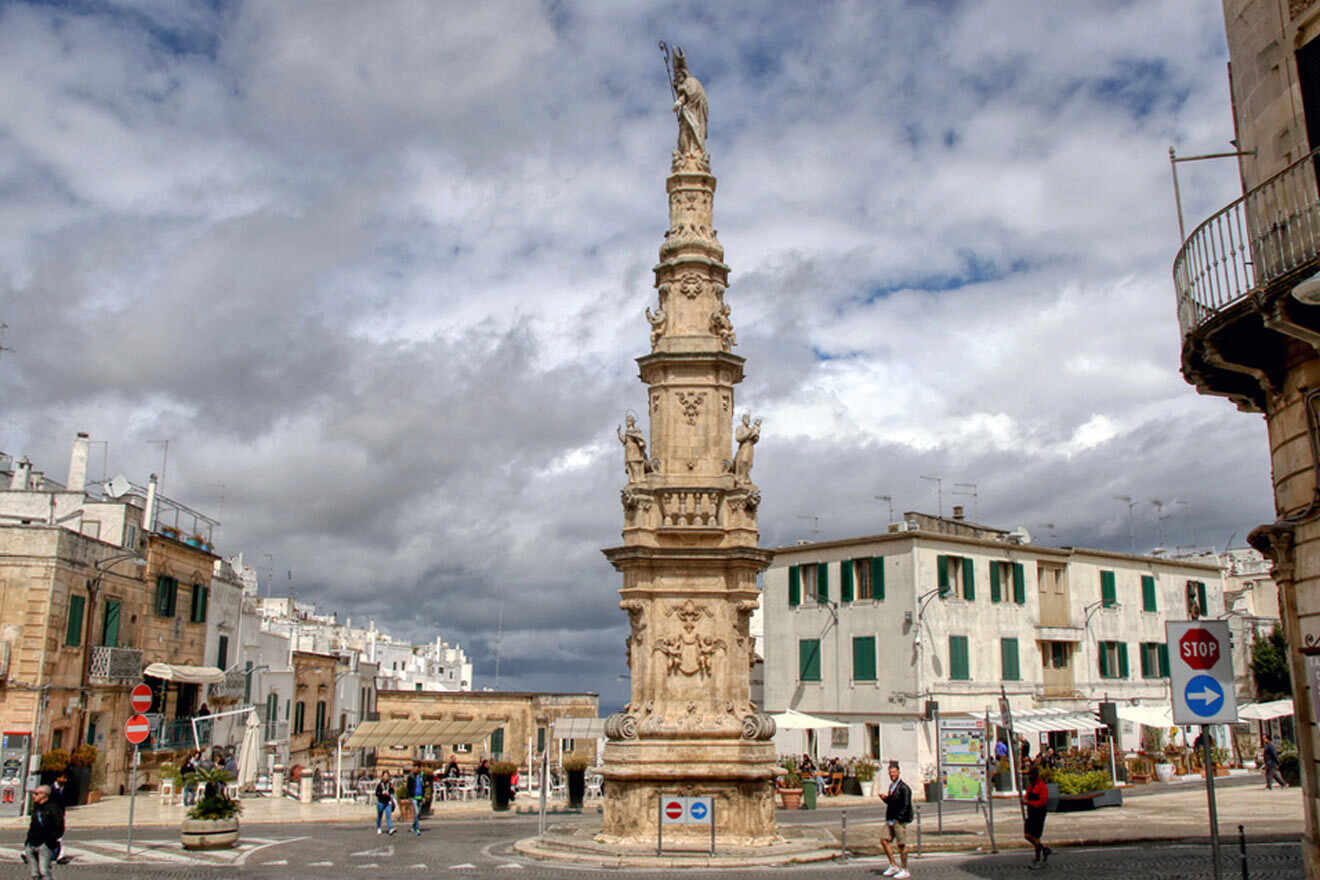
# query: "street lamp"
[[1089, 611], [102, 567]]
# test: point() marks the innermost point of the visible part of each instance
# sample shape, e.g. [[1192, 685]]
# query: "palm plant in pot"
[[790, 786], [501, 784], [212, 823], [576, 768]]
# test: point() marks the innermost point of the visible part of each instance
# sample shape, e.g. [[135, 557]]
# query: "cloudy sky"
[[377, 273]]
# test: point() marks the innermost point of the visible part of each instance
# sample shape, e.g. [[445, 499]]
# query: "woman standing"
[[385, 802]]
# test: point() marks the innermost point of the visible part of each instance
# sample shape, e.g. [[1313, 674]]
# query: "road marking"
[[460, 867], [378, 851], [369, 865], [418, 867], [279, 862], [321, 865], [512, 865]]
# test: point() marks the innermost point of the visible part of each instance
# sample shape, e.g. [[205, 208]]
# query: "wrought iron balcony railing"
[[115, 665], [1272, 230], [176, 733]]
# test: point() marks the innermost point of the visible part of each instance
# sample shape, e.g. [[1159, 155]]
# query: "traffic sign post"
[[681, 810], [136, 731], [1201, 684], [140, 699]]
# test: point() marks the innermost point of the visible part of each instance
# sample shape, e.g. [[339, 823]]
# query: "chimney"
[[149, 515], [958, 512], [21, 475], [78, 464]]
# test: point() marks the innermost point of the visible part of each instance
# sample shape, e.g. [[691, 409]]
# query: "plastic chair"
[[167, 792]]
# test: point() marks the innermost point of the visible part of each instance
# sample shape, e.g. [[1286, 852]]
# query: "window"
[[419, 685], [1196, 606], [320, 719], [222, 652], [808, 580], [821, 585], [959, 665], [73, 631], [1154, 660], [197, 613], [110, 624], [247, 682], [272, 714], [299, 711], [1148, 593], [167, 590], [1108, 590], [1058, 655], [462, 748], [873, 741], [863, 658], [497, 742], [794, 586], [866, 575], [540, 740], [809, 660], [1008, 654], [1113, 659], [956, 574], [565, 746]]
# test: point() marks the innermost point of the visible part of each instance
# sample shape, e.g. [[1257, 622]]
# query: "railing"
[[276, 731], [175, 733], [326, 737], [1272, 230], [115, 665]]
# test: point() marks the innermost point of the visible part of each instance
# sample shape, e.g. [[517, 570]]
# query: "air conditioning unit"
[[900, 526]]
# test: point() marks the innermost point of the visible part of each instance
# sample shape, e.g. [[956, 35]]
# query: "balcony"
[[276, 731], [175, 733], [115, 665], [1232, 278]]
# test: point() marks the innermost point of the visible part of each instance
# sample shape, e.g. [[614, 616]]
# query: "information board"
[[962, 754]]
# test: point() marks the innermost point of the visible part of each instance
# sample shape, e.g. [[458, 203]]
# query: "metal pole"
[[939, 772], [1207, 758], [132, 798], [843, 835], [1177, 195], [712, 826], [989, 795], [545, 785], [1113, 766], [918, 830], [659, 823], [1242, 850]]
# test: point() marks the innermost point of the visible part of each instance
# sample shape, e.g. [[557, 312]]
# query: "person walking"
[[189, 766], [385, 802], [1270, 758], [45, 828], [1036, 797], [416, 788], [898, 813]]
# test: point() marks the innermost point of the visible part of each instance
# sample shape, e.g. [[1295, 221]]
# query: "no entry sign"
[[1201, 672], [140, 699], [137, 729], [672, 810]]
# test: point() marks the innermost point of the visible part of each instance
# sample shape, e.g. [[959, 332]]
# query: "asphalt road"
[[481, 848]]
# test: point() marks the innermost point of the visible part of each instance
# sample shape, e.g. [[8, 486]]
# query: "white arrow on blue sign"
[[1204, 695], [698, 809]]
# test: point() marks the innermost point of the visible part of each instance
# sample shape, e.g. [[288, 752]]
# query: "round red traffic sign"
[[140, 699], [1198, 649], [673, 809], [137, 729]]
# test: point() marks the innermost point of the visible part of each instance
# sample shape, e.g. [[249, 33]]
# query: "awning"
[[1157, 715], [185, 674], [1266, 711], [795, 720], [402, 732], [579, 728], [1047, 720]]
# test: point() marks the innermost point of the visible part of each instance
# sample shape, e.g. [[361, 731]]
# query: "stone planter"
[[208, 833], [1164, 772], [501, 791], [934, 792], [791, 798]]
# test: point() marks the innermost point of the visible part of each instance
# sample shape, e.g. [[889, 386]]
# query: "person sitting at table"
[[452, 771], [835, 785], [483, 774], [806, 765]]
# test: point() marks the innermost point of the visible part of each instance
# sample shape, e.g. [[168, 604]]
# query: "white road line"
[[462, 866], [320, 864], [277, 862], [369, 865], [378, 851], [261, 843], [417, 867], [512, 865]]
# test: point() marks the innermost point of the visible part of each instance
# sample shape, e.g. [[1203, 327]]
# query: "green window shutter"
[[540, 739], [497, 741], [206, 601], [846, 580], [1145, 661], [794, 586], [864, 658], [877, 577], [994, 581], [1164, 659], [110, 625], [73, 633], [822, 581], [1108, 592], [173, 597], [298, 717], [959, 669], [1104, 658], [1148, 593], [247, 682], [162, 596], [1019, 584], [1008, 650], [942, 570], [195, 598], [809, 660], [1122, 660], [320, 718], [969, 581], [1200, 599]]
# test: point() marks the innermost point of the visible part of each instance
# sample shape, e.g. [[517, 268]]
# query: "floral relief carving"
[[691, 402], [687, 652], [690, 284]]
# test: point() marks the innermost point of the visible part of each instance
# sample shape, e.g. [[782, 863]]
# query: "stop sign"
[[137, 729], [1198, 649], [140, 698]]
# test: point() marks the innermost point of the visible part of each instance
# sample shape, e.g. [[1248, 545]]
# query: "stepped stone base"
[[579, 844]]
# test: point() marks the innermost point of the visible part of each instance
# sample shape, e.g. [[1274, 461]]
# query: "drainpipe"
[[149, 514]]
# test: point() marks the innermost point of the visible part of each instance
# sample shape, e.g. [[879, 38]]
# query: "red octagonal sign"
[[673, 809], [1198, 649]]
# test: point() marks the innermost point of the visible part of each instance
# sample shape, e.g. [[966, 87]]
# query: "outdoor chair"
[[167, 792]]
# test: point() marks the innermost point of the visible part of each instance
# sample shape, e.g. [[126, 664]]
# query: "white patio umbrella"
[[249, 752], [795, 720]]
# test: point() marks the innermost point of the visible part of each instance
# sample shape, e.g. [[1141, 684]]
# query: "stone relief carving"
[[691, 402], [657, 322], [722, 326], [635, 461], [690, 284], [655, 401], [747, 434], [758, 726], [621, 726], [687, 652], [726, 401]]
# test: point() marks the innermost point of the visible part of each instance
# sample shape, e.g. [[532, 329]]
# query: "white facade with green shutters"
[[868, 630]]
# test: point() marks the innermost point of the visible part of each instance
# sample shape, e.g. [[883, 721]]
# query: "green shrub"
[[55, 760], [865, 771], [218, 805], [576, 762], [1081, 783], [503, 768], [1290, 769]]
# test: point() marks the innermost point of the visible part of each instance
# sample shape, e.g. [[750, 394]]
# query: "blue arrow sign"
[[698, 810], [1204, 695]]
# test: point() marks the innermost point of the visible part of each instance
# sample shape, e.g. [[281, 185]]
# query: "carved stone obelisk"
[[690, 557]]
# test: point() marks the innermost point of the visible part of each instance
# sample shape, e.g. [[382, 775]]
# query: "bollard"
[[1242, 850], [843, 836], [918, 809]]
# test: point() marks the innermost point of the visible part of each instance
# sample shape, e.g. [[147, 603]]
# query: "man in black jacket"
[[45, 829], [898, 813]]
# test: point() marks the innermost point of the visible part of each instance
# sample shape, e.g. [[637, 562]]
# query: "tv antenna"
[[939, 494], [815, 522], [888, 499], [164, 460], [968, 489], [1132, 535], [4, 327]]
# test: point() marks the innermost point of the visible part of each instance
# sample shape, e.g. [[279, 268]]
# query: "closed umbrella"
[[249, 753]]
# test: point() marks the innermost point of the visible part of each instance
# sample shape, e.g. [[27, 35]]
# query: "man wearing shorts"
[[898, 813]]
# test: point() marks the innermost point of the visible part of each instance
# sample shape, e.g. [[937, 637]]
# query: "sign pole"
[[989, 796], [1208, 758], [132, 797], [939, 771], [712, 826], [660, 824]]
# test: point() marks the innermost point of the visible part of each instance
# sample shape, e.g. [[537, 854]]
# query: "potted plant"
[[53, 763], [501, 786], [790, 786], [80, 772], [930, 779], [576, 768], [1087, 790], [212, 823], [865, 772]]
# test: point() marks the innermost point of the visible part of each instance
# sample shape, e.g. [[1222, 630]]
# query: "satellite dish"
[[117, 486], [1020, 535]]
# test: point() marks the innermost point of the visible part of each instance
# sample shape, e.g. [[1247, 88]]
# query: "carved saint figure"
[[657, 322], [747, 434], [722, 326], [691, 108], [634, 450]]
